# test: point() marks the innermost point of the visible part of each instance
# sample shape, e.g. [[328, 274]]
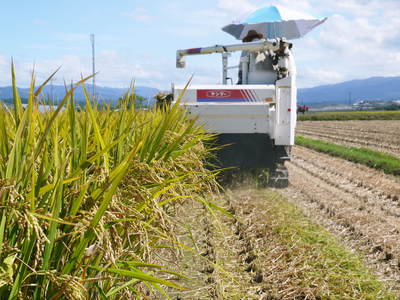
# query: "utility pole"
[[93, 67], [51, 89]]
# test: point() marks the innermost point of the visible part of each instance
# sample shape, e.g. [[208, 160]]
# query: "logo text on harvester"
[[218, 94]]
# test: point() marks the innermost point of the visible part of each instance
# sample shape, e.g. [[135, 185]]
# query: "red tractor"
[[302, 109]]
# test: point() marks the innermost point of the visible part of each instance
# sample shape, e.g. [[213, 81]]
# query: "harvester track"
[[359, 205]]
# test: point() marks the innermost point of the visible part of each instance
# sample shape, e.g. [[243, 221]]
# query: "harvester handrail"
[[261, 45]]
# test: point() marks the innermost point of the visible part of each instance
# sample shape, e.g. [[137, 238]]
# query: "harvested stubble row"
[[351, 115], [377, 135], [377, 160], [355, 202], [266, 250], [87, 197]]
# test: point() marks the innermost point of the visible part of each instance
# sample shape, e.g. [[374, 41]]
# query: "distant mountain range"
[[374, 88], [57, 92]]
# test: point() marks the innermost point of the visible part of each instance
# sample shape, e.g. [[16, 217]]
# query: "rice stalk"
[[85, 193]]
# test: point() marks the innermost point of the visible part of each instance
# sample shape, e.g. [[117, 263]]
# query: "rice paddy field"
[[344, 175], [378, 135], [119, 203], [350, 115]]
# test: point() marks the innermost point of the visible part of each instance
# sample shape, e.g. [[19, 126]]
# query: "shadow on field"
[[236, 178]]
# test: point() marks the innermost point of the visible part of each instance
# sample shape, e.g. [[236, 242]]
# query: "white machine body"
[[269, 109]]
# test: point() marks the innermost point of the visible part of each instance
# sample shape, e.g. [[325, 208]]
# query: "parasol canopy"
[[275, 22]]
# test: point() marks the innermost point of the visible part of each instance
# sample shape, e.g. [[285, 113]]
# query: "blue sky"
[[137, 39]]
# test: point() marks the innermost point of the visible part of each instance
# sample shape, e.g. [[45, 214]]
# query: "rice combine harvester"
[[257, 116], [256, 119]]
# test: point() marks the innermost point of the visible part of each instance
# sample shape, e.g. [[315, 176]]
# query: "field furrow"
[[267, 250], [353, 141], [382, 136], [357, 203]]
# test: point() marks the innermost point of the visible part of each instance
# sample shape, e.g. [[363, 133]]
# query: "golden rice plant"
[[88, 196]]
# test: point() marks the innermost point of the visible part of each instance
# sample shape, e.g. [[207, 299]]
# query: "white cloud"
[[72, 67], [237, 8], [73, 37], [360, 39], [4, 69], [357, 41], [209, 19], [114, 70], [309, 76], [38, 21], [140, 15]]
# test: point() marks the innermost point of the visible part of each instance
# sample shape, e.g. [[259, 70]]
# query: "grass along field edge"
[[350, 115], [374, 159]]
